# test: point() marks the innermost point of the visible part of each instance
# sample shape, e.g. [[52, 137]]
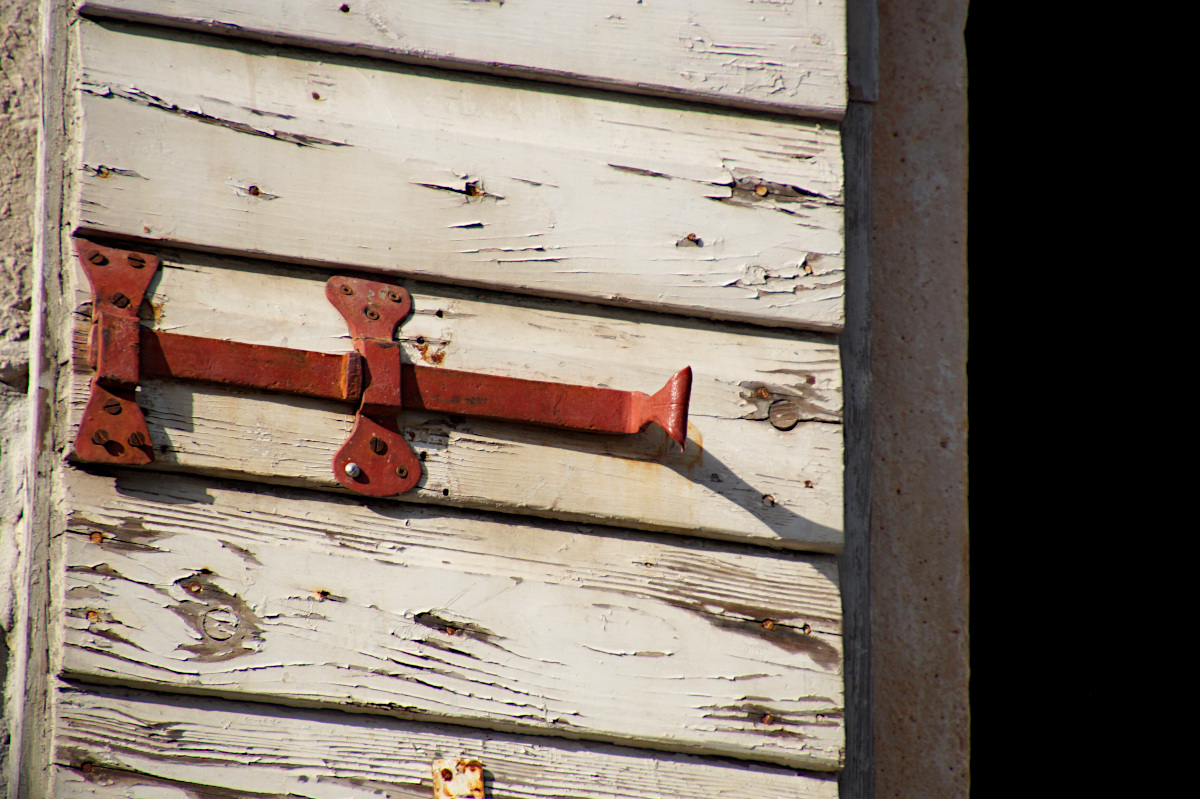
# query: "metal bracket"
[[376, 459]]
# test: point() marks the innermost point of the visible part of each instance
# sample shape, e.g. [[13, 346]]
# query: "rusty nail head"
[[346, 289], [345, 9], [136, 439], [371, 313], [194, 587], [93, 615], [401, 472], [97, 537], [254, 191], [451, 631], [447, 774], [118, 299], [691, 237], [808, 483], [316, 95], [767, 718], [378, 445], [761, 190], [98, 258], [762, 392], [100, 437], [112, 406], [769, 624], [806, 629], [135, 260], [87, 768]]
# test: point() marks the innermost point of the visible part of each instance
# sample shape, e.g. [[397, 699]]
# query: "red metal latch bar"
[[375, 459]]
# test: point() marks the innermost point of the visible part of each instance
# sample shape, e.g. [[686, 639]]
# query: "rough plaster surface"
[[918, 369], [20, 70]]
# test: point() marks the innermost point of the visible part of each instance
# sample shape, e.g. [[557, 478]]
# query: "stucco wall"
[[919, 577], [20, 69]]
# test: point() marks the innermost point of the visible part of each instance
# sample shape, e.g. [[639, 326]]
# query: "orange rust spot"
[[93, 615], [761, 190], [97, 538], [436, 357], [447, 774], [763, 393], [767, 718], [769, 624]]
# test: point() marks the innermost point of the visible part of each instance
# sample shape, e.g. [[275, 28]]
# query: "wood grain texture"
[[782, 56], [419, 612], [240, 148], [720, 486], [138, 744]]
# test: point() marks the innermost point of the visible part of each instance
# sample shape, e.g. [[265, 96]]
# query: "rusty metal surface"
[[287, 371], [376, 459], [598, 410], [113, 429], [457, 779]]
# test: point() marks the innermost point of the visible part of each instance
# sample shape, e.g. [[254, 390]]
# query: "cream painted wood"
[[781, 55], [439, 615], [553, 192], [179, 748], [720, 486]]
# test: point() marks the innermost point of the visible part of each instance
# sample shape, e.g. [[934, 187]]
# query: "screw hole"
[[347, 290], [344, 8], [439, 314], [316, 95], [445, 492], [420, 339], [424, 455]]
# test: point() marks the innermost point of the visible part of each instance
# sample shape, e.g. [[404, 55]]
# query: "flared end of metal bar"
[[668, 408]]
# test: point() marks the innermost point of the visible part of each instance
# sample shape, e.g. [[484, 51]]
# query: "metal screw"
[[353, 470], [98, 258], [394, 295], [769, 624], [194, 587], [100, 437], [135, 260], [378, 445], [371, 314], [112, 406], [347, 290], [401, 472], [136, 439], [118, 299]]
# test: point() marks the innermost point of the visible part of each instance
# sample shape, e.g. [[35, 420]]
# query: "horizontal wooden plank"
[[553, 192], [738, 478], [785, 56], [410, 610], [139, 744]]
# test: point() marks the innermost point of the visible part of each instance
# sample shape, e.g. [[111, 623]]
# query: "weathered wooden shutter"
[[587, 193]]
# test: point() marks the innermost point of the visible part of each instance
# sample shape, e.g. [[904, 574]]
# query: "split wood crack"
[[376, 459]]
